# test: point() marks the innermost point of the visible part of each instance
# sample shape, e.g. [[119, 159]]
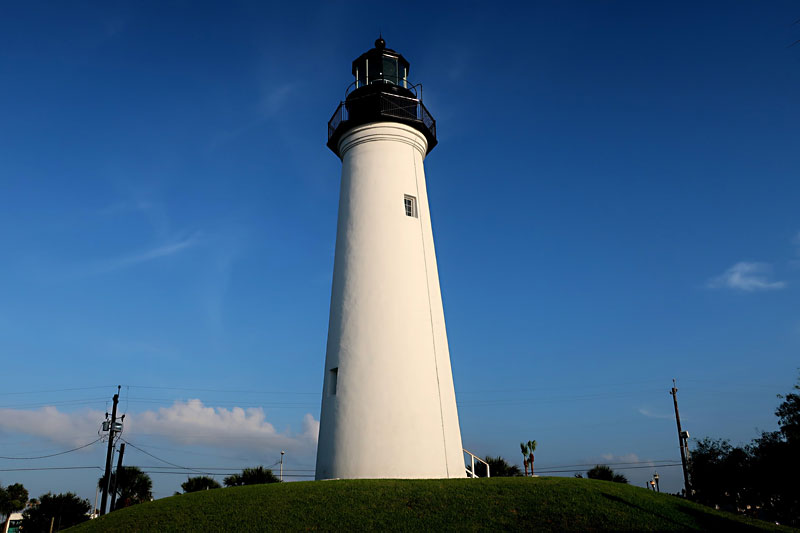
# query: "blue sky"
[[614, 200]]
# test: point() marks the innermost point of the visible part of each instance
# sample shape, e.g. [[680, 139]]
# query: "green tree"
[[194, 484], [65, 510], [498, 467], [251, 476], [12, 499], [132, 486], [788, 414], [605, 473], [720, 474]]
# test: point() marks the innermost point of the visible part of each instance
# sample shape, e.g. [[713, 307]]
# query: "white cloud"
[[627, 458], [191, 422], [184, 422], [71, 429], [310, 428], [746, 276], [646, 412]]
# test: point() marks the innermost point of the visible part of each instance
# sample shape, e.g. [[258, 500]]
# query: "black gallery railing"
[[373, 106]]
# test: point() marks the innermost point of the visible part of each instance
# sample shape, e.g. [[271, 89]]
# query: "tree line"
[[54, 512], [759, 478]]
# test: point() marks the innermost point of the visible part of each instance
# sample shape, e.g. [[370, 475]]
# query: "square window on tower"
[[410, 205]]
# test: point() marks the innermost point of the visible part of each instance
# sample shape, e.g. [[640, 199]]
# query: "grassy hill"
[[522, 504]]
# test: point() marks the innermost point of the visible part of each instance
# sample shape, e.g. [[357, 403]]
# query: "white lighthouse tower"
[[388, 403]]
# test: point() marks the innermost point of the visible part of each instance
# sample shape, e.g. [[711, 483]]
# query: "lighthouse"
[[388, 402]]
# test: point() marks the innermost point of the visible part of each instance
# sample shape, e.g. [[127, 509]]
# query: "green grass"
[[500, 504]]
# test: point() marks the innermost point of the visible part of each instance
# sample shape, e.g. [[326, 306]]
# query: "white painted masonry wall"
[[393, 412]]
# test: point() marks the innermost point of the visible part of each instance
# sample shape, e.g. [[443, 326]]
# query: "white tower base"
[[388, 406]]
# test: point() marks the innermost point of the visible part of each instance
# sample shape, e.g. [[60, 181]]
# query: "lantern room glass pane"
[[390, 69]]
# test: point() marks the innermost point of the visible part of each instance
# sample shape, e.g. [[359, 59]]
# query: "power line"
[[225, 468], [620, 468], [539, 389], [47, 404], [17, 393], [247, 403], [651, 463], [187, 452], [183, 473], [244, 391], [52, 454], [49, 468], [154, 457]]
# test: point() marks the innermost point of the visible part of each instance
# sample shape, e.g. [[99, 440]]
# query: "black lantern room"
[[381, 92]]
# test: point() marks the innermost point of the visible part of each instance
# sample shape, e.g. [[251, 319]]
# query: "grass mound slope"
[[517, 504]]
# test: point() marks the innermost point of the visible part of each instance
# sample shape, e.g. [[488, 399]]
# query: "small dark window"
[[410, 205], [333, 379]]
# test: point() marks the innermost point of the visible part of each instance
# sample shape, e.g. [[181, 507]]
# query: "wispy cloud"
[[644, 411], [275, 98], [627, 458], [126, 207], [271, 105], [150, 254], [746, 276]]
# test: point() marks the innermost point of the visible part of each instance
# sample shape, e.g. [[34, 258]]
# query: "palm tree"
[[523, 446], [132, 486], [194, 484], [531, 448], [499, 467], [251, 476]]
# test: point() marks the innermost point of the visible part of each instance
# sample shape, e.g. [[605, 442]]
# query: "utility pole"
[[681, 442], [282, 452], [110, 452], [116, 478]]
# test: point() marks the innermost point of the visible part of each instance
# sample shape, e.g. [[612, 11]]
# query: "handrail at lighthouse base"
[[471, 467]]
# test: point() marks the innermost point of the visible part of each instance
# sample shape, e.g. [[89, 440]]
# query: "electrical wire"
[[52, 454], [49, 468], [157, 458], [222, 468], [219, 474], [60, 402], [18, 393], [651, 463], [619, 468], [243, 391]]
